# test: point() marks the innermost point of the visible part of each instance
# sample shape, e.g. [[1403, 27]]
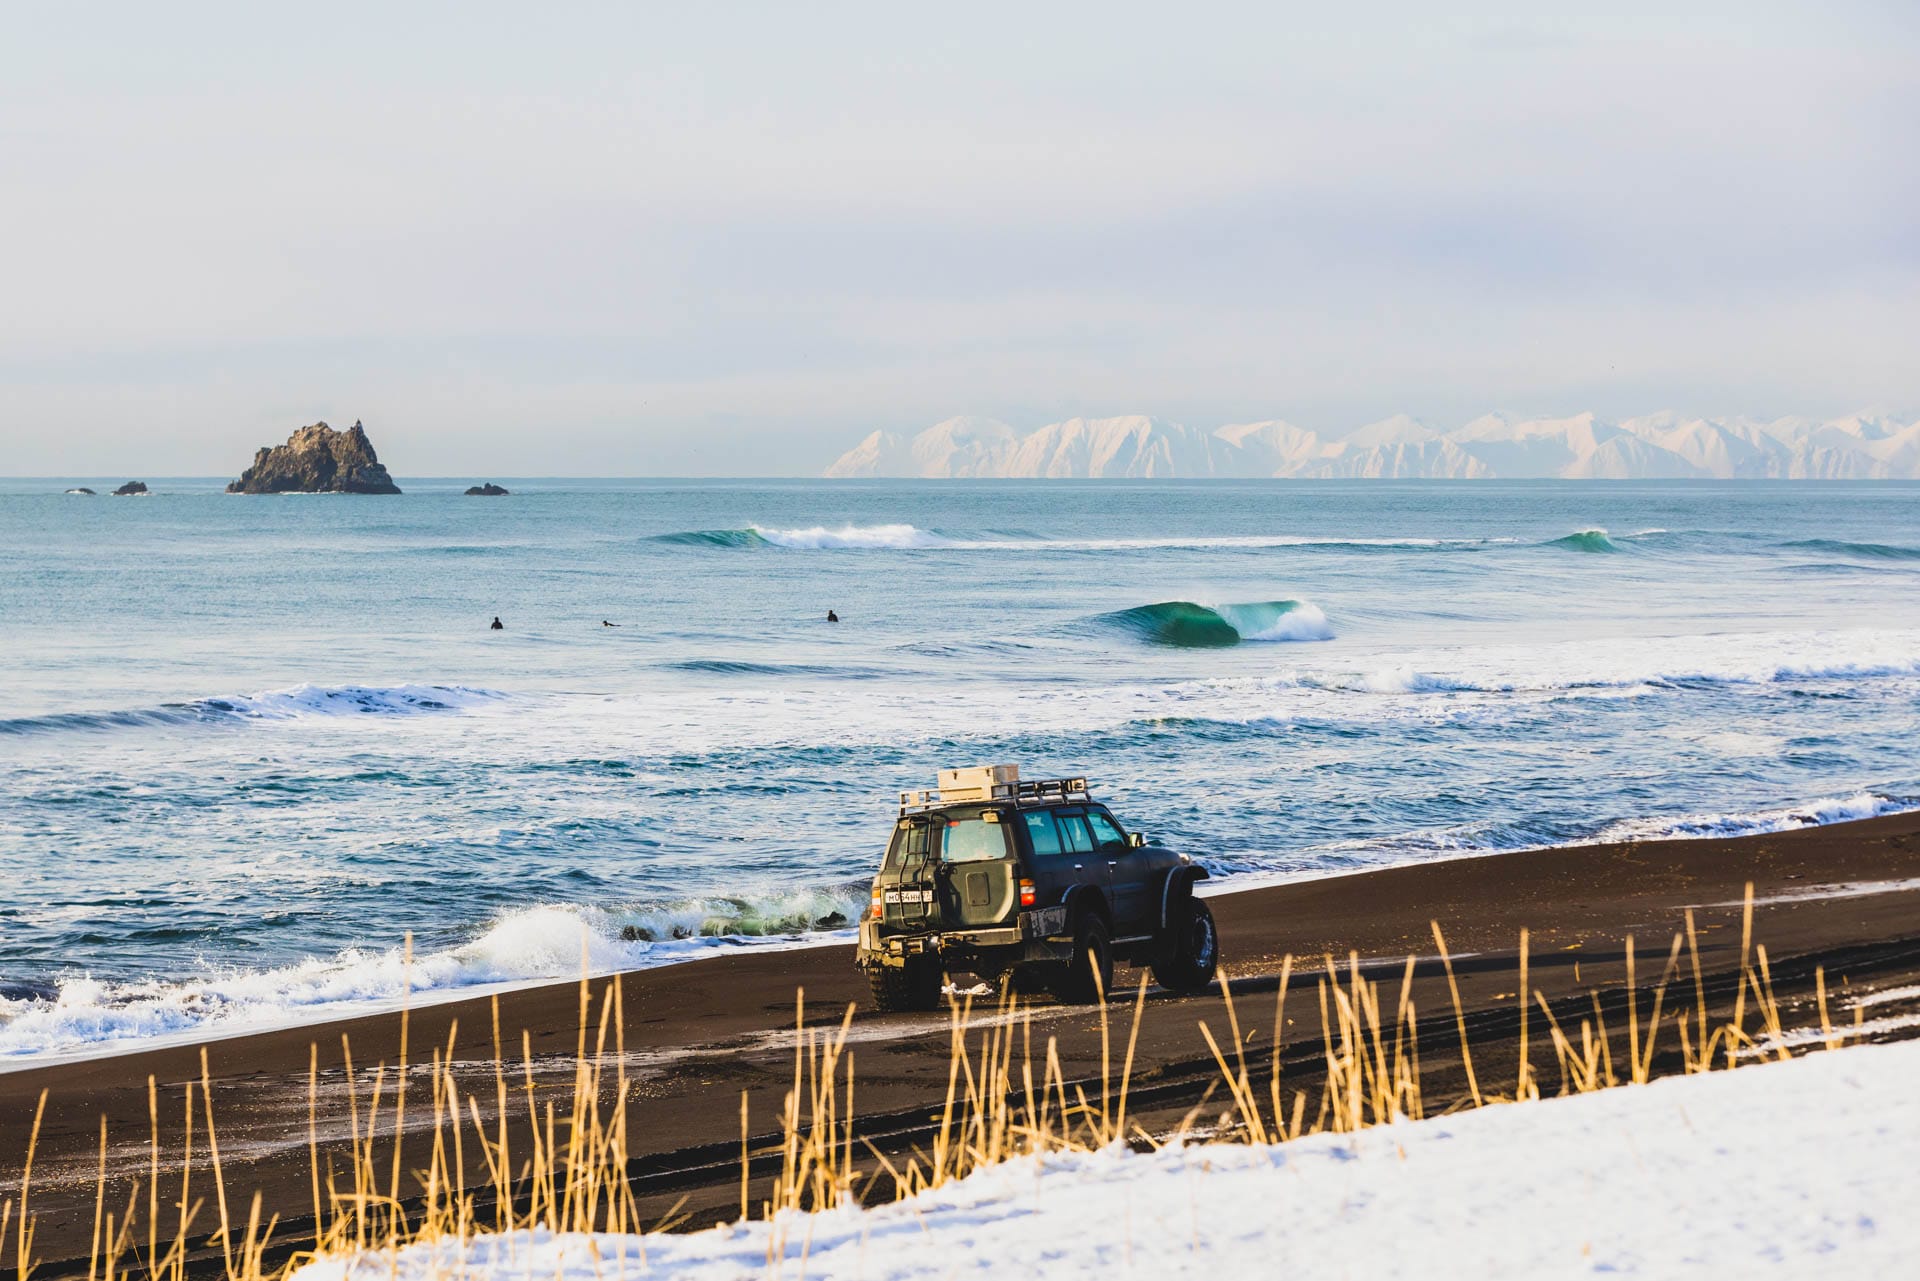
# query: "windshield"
[[974, 840]]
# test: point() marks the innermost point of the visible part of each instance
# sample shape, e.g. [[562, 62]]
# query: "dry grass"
[[1006, 1097]]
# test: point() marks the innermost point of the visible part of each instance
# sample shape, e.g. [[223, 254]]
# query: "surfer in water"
[[832, 617], [497, 626], [605, 623]]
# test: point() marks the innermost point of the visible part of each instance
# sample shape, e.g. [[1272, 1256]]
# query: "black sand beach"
[[1842, 899]]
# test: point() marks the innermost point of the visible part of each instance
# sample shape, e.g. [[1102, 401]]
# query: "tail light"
[[1026, 892], [878, 911]]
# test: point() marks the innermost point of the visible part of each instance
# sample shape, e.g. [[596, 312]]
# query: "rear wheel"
[[899, 989], [1190, 952], [1089, 975]]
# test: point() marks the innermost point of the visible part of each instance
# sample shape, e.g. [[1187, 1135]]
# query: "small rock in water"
[[81, 490], [488, 490], [131, 487]]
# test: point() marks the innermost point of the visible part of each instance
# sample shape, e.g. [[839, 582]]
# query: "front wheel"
[[1191, 951], [900, 989]]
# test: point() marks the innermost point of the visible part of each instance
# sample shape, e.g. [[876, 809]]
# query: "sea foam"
[[294, 702], [529, 945]]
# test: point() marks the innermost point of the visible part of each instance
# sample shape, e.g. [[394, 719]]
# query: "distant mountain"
[[1658, 446], [957, 447]]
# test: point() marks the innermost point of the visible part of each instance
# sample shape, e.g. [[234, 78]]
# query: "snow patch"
[[1777, 1170]]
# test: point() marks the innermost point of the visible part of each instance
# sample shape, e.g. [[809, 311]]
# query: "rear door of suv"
[[980, 865]]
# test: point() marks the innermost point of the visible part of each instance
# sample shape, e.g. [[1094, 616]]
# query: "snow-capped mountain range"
[[1662, 446]]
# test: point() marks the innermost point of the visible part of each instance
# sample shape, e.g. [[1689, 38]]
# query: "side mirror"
[[1135, 840]]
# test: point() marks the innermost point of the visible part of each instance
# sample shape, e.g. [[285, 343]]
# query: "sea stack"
[[317, 460], [488, 490], [131, 488]]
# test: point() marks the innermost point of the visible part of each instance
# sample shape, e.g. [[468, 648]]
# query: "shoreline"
[[718, 946], [697, 1037]]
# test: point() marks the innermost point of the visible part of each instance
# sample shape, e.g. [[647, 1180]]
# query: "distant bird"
[[498, 626], [832, 617]]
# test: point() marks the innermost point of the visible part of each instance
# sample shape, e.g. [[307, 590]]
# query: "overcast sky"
[[630, 239]]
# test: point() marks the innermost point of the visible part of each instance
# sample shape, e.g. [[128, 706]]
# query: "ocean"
[[249, 745]]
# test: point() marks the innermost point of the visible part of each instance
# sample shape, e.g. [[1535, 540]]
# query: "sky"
[[627, 239]]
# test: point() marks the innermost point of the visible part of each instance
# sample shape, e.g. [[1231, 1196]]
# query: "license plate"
[[909, 896]]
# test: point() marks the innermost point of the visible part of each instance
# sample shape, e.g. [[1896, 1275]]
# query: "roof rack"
[[1018, 792]]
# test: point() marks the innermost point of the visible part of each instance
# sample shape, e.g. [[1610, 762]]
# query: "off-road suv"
[[1027, 884]]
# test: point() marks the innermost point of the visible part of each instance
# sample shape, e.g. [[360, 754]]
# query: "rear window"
[[974, 840]]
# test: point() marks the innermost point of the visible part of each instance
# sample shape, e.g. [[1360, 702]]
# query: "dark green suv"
[[1023, 884]]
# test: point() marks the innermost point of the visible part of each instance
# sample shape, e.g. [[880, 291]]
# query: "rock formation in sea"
[[488, 490], [130, 488], [317, 460]]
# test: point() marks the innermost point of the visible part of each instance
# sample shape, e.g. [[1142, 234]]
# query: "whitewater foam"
[[526, 946], [293, 703], [1817, 813], [1654, 664], [857, 537], [904, 537], [1289, 620]]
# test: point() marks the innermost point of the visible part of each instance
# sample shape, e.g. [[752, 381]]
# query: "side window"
[[1073, 831], [1105, 834], [909, 843], [1041, 831]]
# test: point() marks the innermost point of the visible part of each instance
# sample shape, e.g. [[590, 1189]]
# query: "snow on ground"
[[1804, 1169]]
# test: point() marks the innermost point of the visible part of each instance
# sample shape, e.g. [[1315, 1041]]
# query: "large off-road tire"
[[900, 989], [1088, 977], [1190, 951]]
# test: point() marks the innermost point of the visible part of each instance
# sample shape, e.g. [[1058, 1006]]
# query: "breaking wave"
[[743, 667], [1866, 551], [815, 538], [525, 946], [712, 538], [912, 538], [1587, 540], [1672, 664], [281, 704], [1831, 809], [1187, 625]]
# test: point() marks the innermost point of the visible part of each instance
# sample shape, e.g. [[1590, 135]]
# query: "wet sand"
[[1844, 899]]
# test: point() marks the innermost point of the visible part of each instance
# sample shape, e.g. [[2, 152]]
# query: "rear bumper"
[[1029, 934]]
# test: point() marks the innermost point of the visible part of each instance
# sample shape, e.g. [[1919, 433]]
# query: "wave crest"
[[814, 538], [296, 702], [1187, 625], [1586, 540], [532, 944], [1866, 551]]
